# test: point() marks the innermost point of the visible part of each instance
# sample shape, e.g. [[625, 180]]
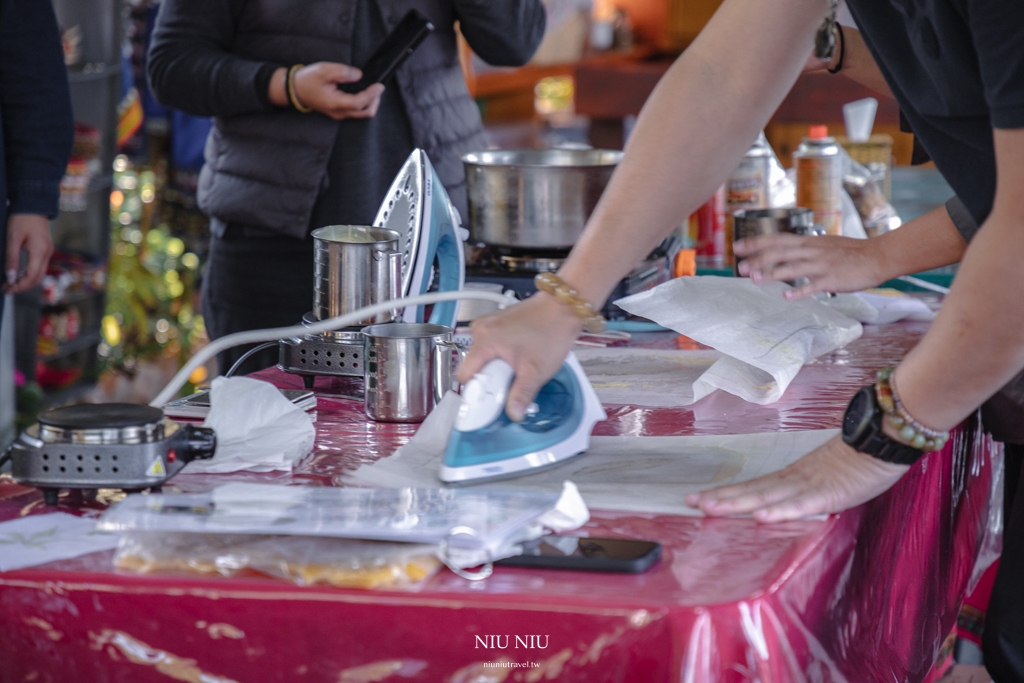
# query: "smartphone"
[[586, 554], [396, 48]]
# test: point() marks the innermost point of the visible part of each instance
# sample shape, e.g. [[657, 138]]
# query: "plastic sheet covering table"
[[867, 595]]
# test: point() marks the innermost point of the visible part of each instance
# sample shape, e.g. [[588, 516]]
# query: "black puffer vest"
[[267, 168]]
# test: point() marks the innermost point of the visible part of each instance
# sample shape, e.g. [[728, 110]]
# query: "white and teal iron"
[[417, 207], [485, 444]]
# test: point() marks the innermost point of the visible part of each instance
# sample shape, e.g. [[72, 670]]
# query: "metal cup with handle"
[[355, 266], [408, 369]]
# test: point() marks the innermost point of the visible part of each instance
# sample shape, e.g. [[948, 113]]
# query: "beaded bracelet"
[[555, 286], [911, 432], [293, 97]]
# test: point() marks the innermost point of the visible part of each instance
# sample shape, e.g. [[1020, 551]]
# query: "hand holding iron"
[[316, 87], [831, 264], [832, 478], [534, 337]]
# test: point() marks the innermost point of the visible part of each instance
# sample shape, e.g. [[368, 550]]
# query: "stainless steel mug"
[[753, 222], [355, 266], [408, 369]]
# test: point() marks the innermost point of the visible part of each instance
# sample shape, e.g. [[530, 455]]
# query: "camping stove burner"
[[337, 353], [530, 264], [109, 445]]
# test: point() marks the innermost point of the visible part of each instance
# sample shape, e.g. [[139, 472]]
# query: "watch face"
[[858, 414]]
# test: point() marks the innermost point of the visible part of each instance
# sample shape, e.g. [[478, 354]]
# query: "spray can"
[[819, 179], [747, 188], [709, 221]]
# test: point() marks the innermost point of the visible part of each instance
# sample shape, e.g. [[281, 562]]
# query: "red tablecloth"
[[867, 595]]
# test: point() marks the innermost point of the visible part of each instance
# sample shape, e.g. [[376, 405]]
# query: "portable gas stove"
[[109, 445], [515, 268], [337, 353]]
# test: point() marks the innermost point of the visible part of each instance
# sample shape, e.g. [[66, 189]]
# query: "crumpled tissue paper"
[[765, 338], [258, 429]]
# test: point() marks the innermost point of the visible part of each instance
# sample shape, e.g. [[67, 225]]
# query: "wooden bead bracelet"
[[911, 432], [555, 286]]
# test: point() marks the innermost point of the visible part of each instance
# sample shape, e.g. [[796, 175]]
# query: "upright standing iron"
[[417, 208], [485, 444]]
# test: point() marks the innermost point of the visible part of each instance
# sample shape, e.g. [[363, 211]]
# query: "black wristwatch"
[[862, 429]]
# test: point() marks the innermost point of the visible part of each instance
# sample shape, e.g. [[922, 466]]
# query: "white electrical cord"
[[353, 318], [923, 284]]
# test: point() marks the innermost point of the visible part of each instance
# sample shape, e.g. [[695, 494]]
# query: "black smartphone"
[[396, 48], [586, 554]]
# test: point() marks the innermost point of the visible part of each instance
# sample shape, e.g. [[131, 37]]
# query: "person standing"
[[36, 134], [289, 152]]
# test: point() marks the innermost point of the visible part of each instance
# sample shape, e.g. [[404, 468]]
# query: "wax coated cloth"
[[867, 595], [765, 339]]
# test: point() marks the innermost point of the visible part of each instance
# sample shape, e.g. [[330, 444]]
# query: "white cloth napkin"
[[765, 339], [258, 429]]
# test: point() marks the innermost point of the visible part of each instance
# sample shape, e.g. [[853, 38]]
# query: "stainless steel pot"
[[355, 266], [535, 198]]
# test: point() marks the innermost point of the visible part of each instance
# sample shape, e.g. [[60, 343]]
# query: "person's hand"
[[31, 233], [830, 263], [831, 478], [316, 86], [534, 337]]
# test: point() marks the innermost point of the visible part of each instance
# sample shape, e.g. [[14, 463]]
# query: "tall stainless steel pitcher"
[[355, 266]]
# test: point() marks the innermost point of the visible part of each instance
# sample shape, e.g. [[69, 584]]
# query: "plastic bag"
[[302, 560], [876, 213]]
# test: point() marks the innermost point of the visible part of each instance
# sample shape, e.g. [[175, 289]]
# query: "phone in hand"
[[392, 53], [586, 554]]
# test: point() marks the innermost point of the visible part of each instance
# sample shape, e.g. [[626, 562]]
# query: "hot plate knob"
[[202, 442]]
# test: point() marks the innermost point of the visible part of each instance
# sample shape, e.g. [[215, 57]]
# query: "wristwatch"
[[862, 430]]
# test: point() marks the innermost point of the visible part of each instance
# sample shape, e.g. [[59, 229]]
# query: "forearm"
[[191, 67], [929, 241], [502, 33], [693, 130], [976, 344]]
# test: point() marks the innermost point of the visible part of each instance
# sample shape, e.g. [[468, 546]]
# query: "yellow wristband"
[[293, 97]]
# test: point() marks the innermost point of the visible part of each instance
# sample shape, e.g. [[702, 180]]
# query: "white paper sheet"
[[881, 306], [765, 339], [39, 539], [645, 377], [638, 474]]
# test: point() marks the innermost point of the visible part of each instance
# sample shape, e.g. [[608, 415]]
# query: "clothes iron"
[[485, 444], [417, 207]]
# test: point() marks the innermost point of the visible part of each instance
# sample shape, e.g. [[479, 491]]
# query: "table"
[[866, 595]]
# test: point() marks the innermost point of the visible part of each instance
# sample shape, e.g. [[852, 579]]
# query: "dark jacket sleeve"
[[190, 64], [35, 106], [502, 32]]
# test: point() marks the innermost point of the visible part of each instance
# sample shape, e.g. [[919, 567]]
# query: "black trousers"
[[255, 279], [1003, 638]]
